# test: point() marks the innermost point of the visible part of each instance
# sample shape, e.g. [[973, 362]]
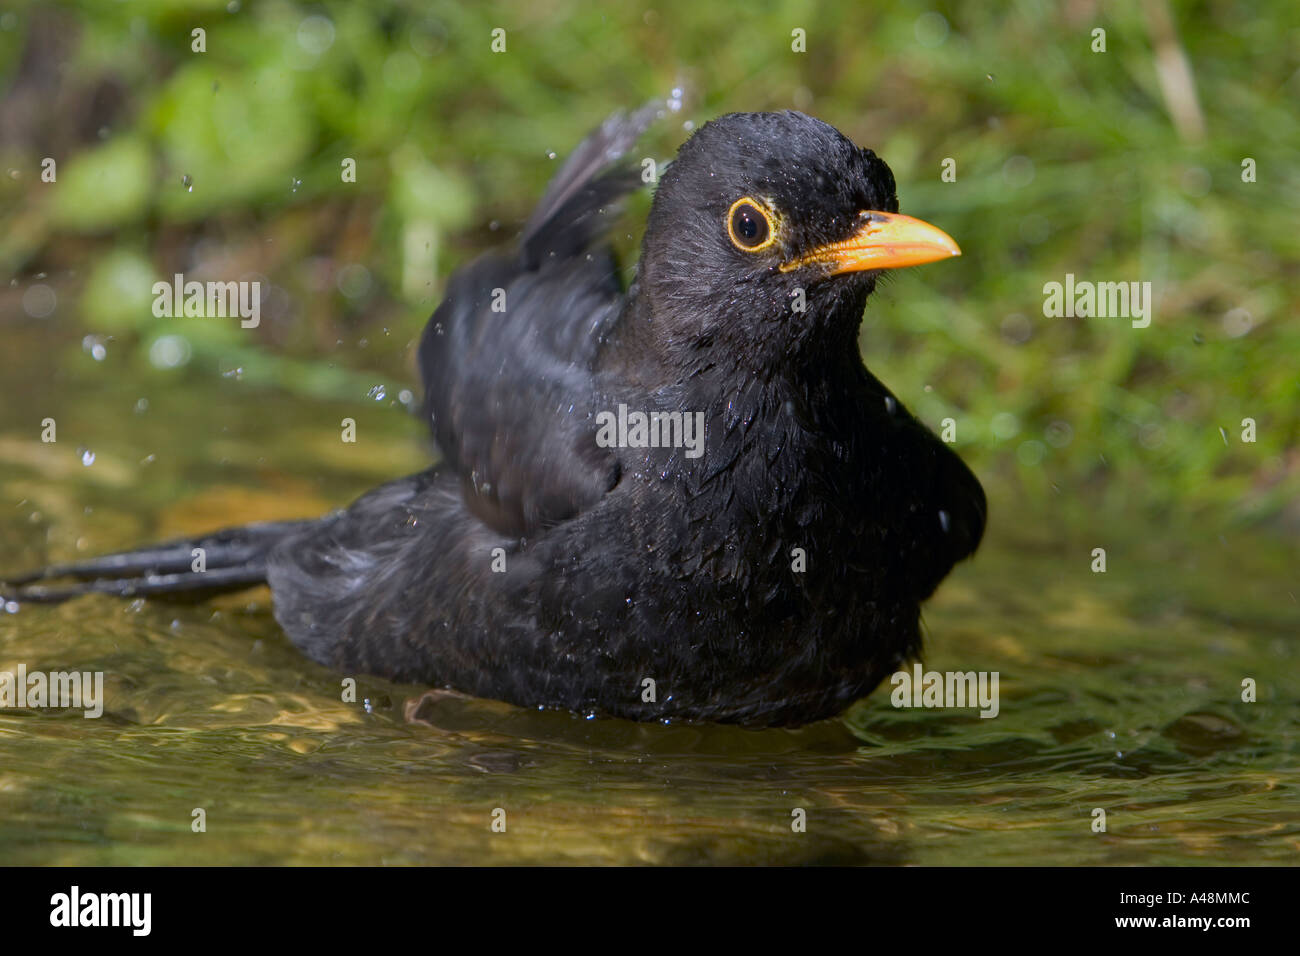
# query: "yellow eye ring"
[[749, 225]]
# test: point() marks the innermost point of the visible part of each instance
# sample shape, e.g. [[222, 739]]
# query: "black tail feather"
[[189, 582], [232, 559]]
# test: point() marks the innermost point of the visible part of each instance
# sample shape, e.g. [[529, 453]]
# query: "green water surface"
[[1120, 691]]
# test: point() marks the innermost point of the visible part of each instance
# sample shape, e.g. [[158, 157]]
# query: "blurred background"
[[1117, 166], [1120, 690]]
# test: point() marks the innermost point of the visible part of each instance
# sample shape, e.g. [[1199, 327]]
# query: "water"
[[1119, 691]]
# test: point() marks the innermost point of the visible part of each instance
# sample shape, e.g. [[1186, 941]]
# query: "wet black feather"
[[534, 566]]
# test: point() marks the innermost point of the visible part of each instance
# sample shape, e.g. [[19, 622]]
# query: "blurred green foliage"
[[1117, 166]]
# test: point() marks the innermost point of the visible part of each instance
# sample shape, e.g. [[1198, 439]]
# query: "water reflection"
[[1119, 691]]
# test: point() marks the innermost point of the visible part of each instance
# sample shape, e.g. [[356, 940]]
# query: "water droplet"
[[944, 521], [87, 457], [1005, 425], [315, 34], [1018, 171], [188, 182], [550, 154], [294, 183], [1059, 434], [377, 393], [1031, 452], [39, 301], [353, 280], [930, 29], [170, 351], [1237, 322]]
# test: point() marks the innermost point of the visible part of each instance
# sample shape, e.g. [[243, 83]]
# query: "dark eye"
[[748, 225]]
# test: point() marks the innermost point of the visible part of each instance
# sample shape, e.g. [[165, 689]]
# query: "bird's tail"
[[227, 560]]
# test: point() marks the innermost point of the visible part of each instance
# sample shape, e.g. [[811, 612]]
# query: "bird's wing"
[[569, 219], [506, 358]]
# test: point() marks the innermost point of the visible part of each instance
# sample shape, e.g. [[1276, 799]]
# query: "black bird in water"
[[573, 545]]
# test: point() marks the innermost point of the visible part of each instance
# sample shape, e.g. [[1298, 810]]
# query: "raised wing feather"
[[506, 359]]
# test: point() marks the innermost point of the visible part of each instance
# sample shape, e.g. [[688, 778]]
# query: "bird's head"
[[769, 230]]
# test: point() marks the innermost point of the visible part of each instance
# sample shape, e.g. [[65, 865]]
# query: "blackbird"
[[686, 499]]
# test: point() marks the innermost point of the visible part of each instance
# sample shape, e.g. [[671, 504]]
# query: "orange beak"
[[887, 241]]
